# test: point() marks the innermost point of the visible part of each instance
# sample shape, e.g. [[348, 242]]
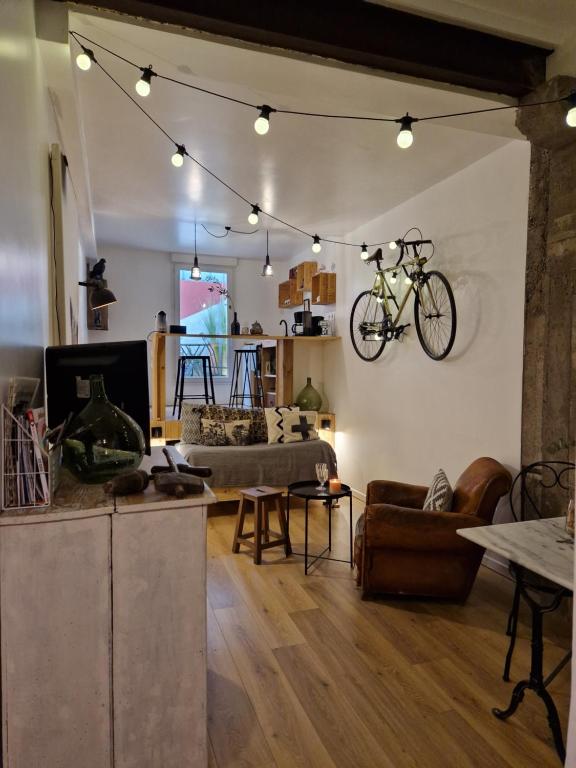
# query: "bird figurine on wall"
[[97, 270]]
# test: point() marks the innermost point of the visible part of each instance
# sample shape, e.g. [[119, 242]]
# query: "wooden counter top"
[[74, 500]]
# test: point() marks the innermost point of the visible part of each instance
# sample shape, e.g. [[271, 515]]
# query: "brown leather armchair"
[[401, 549]]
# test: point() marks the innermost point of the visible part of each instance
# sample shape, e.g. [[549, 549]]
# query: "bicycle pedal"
[[400, 331]]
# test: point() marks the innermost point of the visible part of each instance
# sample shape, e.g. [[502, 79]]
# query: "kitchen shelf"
[[289, 295], [304, 273]]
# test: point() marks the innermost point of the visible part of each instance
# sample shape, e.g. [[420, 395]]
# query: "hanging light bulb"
[[393, 244], [253, 215], [364, 252], [267, 270], [262, 122], [143, 85], [393, 278], [195, 274], [405, 136], [407, 280], [571, 114], [178, 156], [316, 246], [84, 60]]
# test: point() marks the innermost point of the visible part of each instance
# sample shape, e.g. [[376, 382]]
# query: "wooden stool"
[[261, 497]]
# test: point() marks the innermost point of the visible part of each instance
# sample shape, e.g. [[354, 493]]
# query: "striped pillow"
[[275, 422], [439, 496]]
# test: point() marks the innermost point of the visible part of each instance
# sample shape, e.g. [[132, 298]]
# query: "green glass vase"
[[309, 399], [101, 441]]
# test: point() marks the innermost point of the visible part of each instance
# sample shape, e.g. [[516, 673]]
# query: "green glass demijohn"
[[309, 399], [101, 441]]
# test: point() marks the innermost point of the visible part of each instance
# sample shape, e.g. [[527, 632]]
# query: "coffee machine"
[[303, 321]]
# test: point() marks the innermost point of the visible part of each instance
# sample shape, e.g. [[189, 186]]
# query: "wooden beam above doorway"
[[357, 33]]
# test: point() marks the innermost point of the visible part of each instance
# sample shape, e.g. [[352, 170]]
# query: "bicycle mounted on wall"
[[375, 316]]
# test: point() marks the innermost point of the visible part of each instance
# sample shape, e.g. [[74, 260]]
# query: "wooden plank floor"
[[303, 673]]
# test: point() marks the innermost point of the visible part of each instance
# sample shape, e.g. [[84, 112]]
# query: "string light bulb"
[[571, 114], [262, 122], [84, 60], [178, 156], [407, 280], [405, 136], [393, 278], [253, 215], [195, 274], [316, 245], [393, 244], [143, 85], [267, 270], [364, 252]]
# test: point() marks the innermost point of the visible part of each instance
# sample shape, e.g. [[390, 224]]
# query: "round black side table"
[[307, 490]]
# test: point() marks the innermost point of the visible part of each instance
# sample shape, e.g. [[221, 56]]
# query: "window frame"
[[229, 272]]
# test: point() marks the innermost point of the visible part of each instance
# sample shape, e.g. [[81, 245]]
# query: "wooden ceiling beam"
[[358, 33]]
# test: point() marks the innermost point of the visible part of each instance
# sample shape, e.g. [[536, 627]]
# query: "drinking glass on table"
[[321, 475]]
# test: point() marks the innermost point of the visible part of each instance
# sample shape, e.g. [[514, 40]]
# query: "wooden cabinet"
[[304, 273], [103, 615], [289, 295], [324, 288]]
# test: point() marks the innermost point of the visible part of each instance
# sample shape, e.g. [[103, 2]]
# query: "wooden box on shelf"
[[289, 295], [324, 288], [296, 294], [304, 273], [284, 294]]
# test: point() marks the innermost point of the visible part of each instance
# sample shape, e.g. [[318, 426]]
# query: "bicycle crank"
[[399, 331]]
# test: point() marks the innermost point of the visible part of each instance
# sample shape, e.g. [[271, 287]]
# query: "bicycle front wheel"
[[367, 322], [435, 316]]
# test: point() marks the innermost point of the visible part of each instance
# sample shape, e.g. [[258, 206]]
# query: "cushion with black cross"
[[299, 426]]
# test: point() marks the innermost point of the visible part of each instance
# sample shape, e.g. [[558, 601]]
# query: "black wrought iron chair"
[[540, 490]]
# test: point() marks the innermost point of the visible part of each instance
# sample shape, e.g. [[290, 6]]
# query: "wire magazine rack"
[[25, 466]]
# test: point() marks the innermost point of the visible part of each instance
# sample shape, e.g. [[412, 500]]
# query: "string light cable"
[[265, 110], [181, 152], [404, 138]]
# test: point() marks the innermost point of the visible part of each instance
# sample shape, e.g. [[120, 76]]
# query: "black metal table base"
[[309, 559], [536, 681]]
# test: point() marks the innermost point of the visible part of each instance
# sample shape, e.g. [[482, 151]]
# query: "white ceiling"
[[324, 176]]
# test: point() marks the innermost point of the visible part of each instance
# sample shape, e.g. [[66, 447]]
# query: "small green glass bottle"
[[101, 441]]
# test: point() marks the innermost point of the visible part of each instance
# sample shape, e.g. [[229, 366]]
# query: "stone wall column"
[[549, 376]]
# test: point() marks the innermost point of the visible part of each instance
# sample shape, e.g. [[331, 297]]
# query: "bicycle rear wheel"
[[435, 316], [367, 323]]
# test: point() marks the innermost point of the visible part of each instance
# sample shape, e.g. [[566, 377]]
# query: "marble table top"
[[542, 546]]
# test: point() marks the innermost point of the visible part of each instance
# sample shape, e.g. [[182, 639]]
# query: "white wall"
[[405, 415], [29, 126], [144, 282], [23, 197]]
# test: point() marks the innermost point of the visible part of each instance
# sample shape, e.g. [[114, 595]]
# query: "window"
[[204, 310]]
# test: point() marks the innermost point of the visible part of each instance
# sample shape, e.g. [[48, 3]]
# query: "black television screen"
[[124, 365]]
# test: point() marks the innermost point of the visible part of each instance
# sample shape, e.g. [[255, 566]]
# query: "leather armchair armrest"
[[401, 494], [388, 526]]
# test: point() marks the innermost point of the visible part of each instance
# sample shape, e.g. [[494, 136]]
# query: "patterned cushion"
[[191, 421], [299, 426], [258, 431], [274, 421], [259, 428], [439, 496], [213, 432], [238, 432]]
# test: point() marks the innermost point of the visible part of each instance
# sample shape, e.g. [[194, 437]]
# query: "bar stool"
[[261, 498], [179, 395], [247, 361]]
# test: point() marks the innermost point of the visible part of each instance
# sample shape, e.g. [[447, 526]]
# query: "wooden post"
[[159, 377], [284, 369]]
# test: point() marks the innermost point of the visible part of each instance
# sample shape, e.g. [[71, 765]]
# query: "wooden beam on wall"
[[358, 33]]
